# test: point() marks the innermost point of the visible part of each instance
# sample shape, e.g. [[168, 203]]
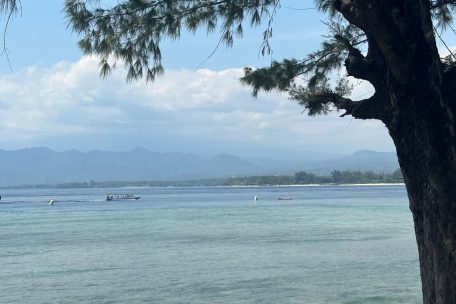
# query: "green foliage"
[[397, 174], [132, 30], [303, 177], [304, 80], [9, 7], [326, 6], [442, 13], [306, 178], [268, 180], [299, 178]]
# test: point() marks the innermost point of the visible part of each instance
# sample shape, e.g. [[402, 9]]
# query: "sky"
[[52, 95]]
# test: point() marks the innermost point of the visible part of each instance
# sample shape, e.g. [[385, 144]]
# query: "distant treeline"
[[336, 177], [299, 178]]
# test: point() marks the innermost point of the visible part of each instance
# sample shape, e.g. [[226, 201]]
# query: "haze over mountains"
[[44, 166]]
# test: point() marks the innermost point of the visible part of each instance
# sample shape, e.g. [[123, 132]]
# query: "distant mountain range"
[[44, 166]]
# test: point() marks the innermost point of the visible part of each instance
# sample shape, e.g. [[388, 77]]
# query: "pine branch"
[[441, 3], [369, 108], [132, 30]]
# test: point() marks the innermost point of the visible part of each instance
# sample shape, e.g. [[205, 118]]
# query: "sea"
[[328, 244]]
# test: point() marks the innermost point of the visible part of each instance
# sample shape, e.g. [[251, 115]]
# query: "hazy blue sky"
[[53, 96]]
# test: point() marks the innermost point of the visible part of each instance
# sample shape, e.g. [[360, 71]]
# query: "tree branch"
[[370, 108], [355, 64], [370, 67], [441, 3], [348, 45], [349, 9]]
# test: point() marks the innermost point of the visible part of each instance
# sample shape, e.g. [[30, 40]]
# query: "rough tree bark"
[[416, 99]]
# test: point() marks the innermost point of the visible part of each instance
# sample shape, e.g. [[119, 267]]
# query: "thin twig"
[[5, 49], [212, 53], [300, 9], [440, 37]]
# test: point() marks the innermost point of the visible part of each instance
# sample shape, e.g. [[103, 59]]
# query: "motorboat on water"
[[121, 197], [284, 198]]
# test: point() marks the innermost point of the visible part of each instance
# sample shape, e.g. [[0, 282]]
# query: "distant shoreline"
[[84, 186], [299, 179], [313, 185], [374, 184]]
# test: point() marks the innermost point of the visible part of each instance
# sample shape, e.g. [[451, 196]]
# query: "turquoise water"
[[330, 244]]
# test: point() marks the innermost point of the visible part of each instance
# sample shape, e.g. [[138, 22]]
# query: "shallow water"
[[330, 244]]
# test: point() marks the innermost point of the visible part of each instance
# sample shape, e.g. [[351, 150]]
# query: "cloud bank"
[[69, 106]]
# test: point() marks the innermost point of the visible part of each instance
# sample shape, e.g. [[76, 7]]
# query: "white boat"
[[284, 198], [121, 197]]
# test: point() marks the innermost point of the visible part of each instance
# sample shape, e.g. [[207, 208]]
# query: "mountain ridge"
[[42, 165]]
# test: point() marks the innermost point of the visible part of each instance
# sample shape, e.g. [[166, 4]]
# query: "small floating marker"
[[51, 202], [255, 198]]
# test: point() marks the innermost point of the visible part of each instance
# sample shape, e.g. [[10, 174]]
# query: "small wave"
[[78, 201]]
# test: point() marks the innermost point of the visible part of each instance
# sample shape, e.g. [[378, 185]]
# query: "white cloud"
[[69, 101]]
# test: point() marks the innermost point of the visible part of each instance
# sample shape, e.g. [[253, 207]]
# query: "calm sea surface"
[[330, 244]]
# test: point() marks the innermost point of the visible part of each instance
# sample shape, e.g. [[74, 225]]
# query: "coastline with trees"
[[337, 177]]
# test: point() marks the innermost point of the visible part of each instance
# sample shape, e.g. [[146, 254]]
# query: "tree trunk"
[[434, 215], [425, 148], [419, 100]]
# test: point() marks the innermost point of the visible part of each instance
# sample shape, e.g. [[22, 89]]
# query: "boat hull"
[[122, 197]]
